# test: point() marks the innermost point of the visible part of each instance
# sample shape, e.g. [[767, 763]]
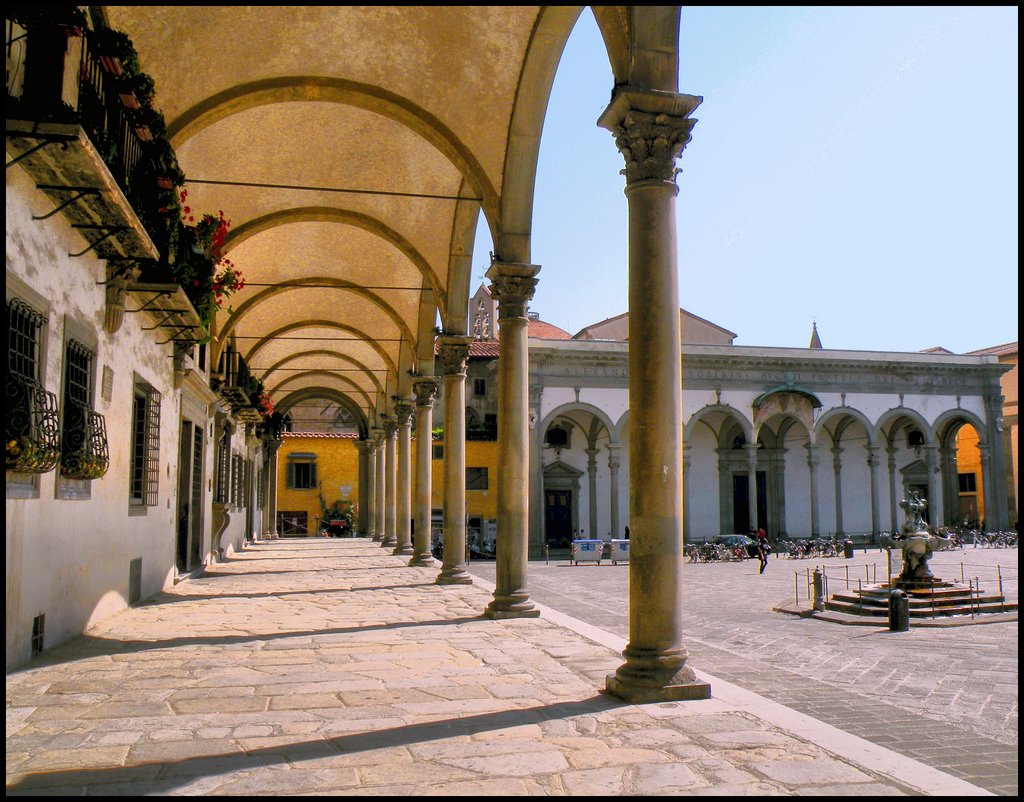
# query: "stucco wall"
[[68, 559]]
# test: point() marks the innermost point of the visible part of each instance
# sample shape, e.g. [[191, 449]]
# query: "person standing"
[[763, 549]]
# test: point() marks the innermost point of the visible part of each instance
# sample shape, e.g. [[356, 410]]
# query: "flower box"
[[112, 65], [128, 100]]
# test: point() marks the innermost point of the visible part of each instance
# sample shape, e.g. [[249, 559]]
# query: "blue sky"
[[851, 166]]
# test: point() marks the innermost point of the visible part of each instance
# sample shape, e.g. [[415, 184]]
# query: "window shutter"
[[290, 474], [312, 474]]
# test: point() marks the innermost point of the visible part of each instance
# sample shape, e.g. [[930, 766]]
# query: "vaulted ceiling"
[[353, 150]]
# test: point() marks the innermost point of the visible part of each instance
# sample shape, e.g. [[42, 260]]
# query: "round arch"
[[882, 428], [298, 283], [322, 373], [331, 214], [323, 352], [728, 412], [564, 409], [297, 397], [311, 88], [325, 324], [841, 412]]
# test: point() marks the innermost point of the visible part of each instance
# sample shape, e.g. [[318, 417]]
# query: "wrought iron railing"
[[42, 57], [33, 426], [85, 454]]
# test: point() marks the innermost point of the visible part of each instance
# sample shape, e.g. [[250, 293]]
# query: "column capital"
[[366, 446], [512, 286], [404, 410], [390, 427], [651, 129], [453, 351], [425, 388], [377, 433]]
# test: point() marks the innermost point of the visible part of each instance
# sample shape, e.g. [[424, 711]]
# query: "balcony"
[[156, 291], [236, 385], [67, 126]]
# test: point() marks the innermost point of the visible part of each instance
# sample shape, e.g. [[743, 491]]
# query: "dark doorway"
[[741, 502], [558, 518], [190, 497]]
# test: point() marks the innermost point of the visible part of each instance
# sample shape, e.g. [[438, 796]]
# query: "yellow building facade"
[[319, 469], [315, 471]]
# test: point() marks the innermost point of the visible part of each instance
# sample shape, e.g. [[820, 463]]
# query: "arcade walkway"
[[330, 667]]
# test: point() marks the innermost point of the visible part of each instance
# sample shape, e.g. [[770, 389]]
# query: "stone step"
[[853, 608], [964, 599]]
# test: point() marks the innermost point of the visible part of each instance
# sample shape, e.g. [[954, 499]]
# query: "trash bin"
[[848, 549], [620, 551], [587, 551], [899, 611]]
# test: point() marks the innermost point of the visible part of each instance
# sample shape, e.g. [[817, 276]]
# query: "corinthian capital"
[[425, 388], [651, 129], [403, 411], [454, 354], [512, 286]]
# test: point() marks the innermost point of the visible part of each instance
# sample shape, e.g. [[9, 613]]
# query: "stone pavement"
[[331, 667], [945, 697]]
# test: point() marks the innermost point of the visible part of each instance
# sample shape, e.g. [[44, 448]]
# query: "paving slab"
[[332, 667]]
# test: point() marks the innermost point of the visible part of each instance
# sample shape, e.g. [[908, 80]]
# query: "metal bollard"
[[899, 611], [819, 591]]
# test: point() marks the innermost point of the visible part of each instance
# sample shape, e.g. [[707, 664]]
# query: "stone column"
[[381, 500], [370, 510], [986, 487], [687, 461], [592, 491], [996, 489], [651, 129], [390, 483], [271, 532], [812, 467], [425, 388], [837, 475], [363, 472], [403, 507], [614, 461], [873, 464], [752, 484], [512, 285], [536, 502], [454, 354], [725, 501], [891, 464], [933, 512]]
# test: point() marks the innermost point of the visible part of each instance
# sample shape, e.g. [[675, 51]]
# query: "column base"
[[643, 694], [511, 607], [497, 614], [375, 538], [637, 683], [403, 550], [453, 576], [389, 544], [423, 561]]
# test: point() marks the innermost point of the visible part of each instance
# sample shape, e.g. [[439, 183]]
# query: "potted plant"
[[206, 275]]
